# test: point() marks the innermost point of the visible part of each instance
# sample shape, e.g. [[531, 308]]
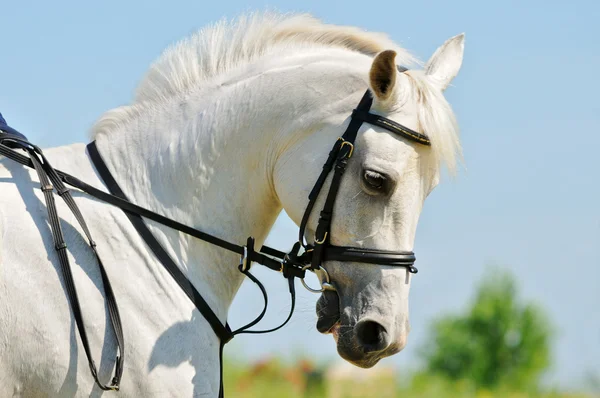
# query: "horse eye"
[[374, 180]]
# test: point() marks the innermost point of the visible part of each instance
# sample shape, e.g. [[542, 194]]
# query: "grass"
[[275, 378]]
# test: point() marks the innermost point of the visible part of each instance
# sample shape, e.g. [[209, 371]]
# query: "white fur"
[[446, 61], [226, 129]]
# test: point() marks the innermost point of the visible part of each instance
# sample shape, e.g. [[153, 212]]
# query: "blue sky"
[[526, 99]]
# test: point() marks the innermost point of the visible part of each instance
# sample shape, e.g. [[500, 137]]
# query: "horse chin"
[[365, 363], [329, 322], [335, 332]]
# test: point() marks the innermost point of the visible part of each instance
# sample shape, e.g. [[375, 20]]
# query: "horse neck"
[[206, 161]]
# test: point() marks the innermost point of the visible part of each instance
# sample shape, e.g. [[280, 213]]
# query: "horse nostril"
[[371, 335]]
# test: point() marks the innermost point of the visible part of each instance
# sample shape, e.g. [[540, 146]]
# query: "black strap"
[[221, 387], [324, 225], [290, 264], [49, 182], [224, 332], [289, 268], [259, 257], [314, 193], [391, 126], [337, 161], [292, 290], [363, 255], [267, 256], [349, 136]]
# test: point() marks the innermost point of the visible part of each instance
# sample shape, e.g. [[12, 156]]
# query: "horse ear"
[[383, 74], [444, 64]]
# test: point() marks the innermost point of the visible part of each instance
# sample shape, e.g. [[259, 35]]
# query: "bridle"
[[322, 250], [292, 265]]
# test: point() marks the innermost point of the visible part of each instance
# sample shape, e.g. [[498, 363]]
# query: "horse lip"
[[325, 325], [336, 325], [328, 309]]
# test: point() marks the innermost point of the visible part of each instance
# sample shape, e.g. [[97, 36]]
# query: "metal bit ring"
[[324, 285]]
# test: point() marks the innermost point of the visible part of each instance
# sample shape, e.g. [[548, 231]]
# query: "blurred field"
[[272, 378], [498, 346]]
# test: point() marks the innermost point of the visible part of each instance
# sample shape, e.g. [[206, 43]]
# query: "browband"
[[391, 126]]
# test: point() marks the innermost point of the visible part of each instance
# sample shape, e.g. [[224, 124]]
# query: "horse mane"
[[221, 48], [227, 45]]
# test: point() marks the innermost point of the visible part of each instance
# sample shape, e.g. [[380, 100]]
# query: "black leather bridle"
[[321, 250], [294, 264]]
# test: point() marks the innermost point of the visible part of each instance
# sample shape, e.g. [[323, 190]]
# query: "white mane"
[[225, 46]]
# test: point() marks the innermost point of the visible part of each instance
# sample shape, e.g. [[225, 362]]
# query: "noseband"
[[294, 264]]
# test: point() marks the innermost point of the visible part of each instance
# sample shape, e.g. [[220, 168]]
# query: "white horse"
[[226, 129]]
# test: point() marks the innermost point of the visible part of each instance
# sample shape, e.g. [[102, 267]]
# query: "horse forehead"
[[388, 153]]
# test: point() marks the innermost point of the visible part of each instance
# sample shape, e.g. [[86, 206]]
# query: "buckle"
[[347, 143], [243, 260], [320, 242]]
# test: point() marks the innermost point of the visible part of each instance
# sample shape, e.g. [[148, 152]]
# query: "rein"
[[292, 265], [55, 179]]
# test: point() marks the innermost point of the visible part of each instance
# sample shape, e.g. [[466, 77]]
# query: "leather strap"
[[222, 331], [49, 182], [371, 256], [259, 257], [289, 268], [337, 161], [365, 103], [341, 152], [290, 264], [391, 126]]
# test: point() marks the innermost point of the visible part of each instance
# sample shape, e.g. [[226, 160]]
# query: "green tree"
[[499, 341]]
